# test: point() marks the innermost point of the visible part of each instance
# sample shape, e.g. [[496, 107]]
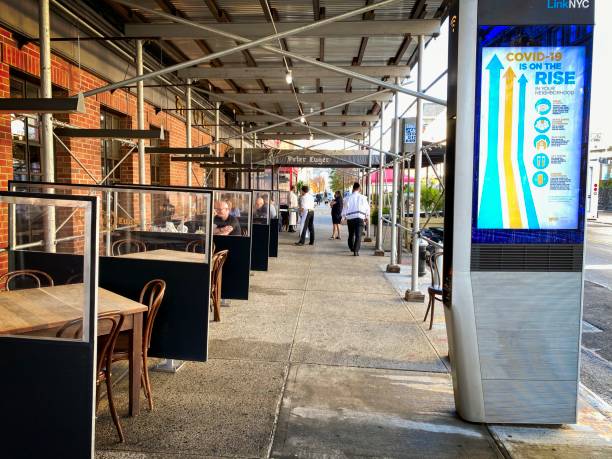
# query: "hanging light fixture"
[[289, 77], [303, 120], [311, 136]]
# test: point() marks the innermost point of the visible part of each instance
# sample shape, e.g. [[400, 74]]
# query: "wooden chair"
[[216, 279], [434, 291], [33, 274], [195, 247], [124, 246], [151, 296], [111, 322]]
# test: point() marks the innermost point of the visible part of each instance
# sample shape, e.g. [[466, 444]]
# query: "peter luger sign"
[[314, 160]]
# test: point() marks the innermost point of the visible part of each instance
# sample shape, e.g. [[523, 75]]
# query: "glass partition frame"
[[89, 205], [261, 207], [110, 207]]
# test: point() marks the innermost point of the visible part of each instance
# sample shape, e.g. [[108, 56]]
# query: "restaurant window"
[[110, 154], [155, 163], [25, 132]]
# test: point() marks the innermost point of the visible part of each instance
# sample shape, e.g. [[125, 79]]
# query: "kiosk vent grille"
[[527, 257]]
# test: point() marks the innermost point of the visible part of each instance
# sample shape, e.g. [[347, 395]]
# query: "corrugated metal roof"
[[338, 51]]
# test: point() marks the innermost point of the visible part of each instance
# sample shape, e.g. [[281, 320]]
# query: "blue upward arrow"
[[532, 218], [490, 211]]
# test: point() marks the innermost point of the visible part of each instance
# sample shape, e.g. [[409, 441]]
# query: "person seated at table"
[[261, 209], [224, 223], [234, 209]]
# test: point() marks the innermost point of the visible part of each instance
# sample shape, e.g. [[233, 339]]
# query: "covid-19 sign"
[[530, 137]]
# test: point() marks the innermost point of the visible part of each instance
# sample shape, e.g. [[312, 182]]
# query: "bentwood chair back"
[[216, 279], [151, 295], [31, 277], [109, 326], [434, 291], [195, 247], [125, 246]]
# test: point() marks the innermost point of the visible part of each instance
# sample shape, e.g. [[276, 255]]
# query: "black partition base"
[[181, 326], [274, 229], [237, 267], [46, 398], [260, 247]]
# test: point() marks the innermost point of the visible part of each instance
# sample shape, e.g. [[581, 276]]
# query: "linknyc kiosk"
[[518, 115]]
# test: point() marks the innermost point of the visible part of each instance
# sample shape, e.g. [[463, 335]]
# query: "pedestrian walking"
[[356, 210], [307, 209], [336, 214]]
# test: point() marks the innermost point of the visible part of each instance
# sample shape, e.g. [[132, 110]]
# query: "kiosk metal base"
[[379, 253], [393, 268]]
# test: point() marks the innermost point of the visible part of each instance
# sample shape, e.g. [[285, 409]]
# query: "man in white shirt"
[[356, 211], [307, 206]]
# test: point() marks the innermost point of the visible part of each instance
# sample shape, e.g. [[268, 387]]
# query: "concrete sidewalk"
[[324, 360]]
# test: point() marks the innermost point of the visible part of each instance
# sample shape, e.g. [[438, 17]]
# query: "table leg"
[[135, 364]]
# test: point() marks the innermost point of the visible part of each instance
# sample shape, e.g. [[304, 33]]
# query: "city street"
[[597, 317]]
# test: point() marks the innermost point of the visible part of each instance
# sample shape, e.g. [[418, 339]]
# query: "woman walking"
[[336, 214]]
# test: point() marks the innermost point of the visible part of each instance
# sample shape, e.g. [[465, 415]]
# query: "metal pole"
[[46, 127], [414, 294], [260, 42], [140, 125], [243, 174], [368, 236], [217, 181], [380, 250], [188, 123], [402, 211], [393, 267]]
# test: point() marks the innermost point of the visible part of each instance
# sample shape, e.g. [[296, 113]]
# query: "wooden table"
[[42, 311], [167, 255]]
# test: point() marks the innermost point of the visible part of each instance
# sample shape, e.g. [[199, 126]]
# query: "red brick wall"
[[69, 77]]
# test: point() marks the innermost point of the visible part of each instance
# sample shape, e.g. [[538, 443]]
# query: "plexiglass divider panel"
[[261, 207], [48, 323], [146, 223], [153, 233], [275, 222], [232, 213]]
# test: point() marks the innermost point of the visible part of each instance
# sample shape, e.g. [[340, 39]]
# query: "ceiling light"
[[289, 77], [303, 120]]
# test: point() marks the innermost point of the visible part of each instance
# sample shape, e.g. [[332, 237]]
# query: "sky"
[[435, 62]]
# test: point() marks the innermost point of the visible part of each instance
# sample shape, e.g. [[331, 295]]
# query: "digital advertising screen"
[[530, 137]]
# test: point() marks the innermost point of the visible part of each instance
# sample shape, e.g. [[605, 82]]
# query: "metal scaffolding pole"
[[380, 250], [48, 163], [243, 174], [188, 123], [393, 267], [140, 125], [415, 294], [217, 180], [368, 236]]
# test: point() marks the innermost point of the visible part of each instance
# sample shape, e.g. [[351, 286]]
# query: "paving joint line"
[[288, 367]]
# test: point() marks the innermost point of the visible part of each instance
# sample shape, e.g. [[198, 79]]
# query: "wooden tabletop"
[[167, 255], [29, 310]]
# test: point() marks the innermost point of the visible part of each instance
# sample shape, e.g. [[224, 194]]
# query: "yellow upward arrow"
[[513, 206]]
